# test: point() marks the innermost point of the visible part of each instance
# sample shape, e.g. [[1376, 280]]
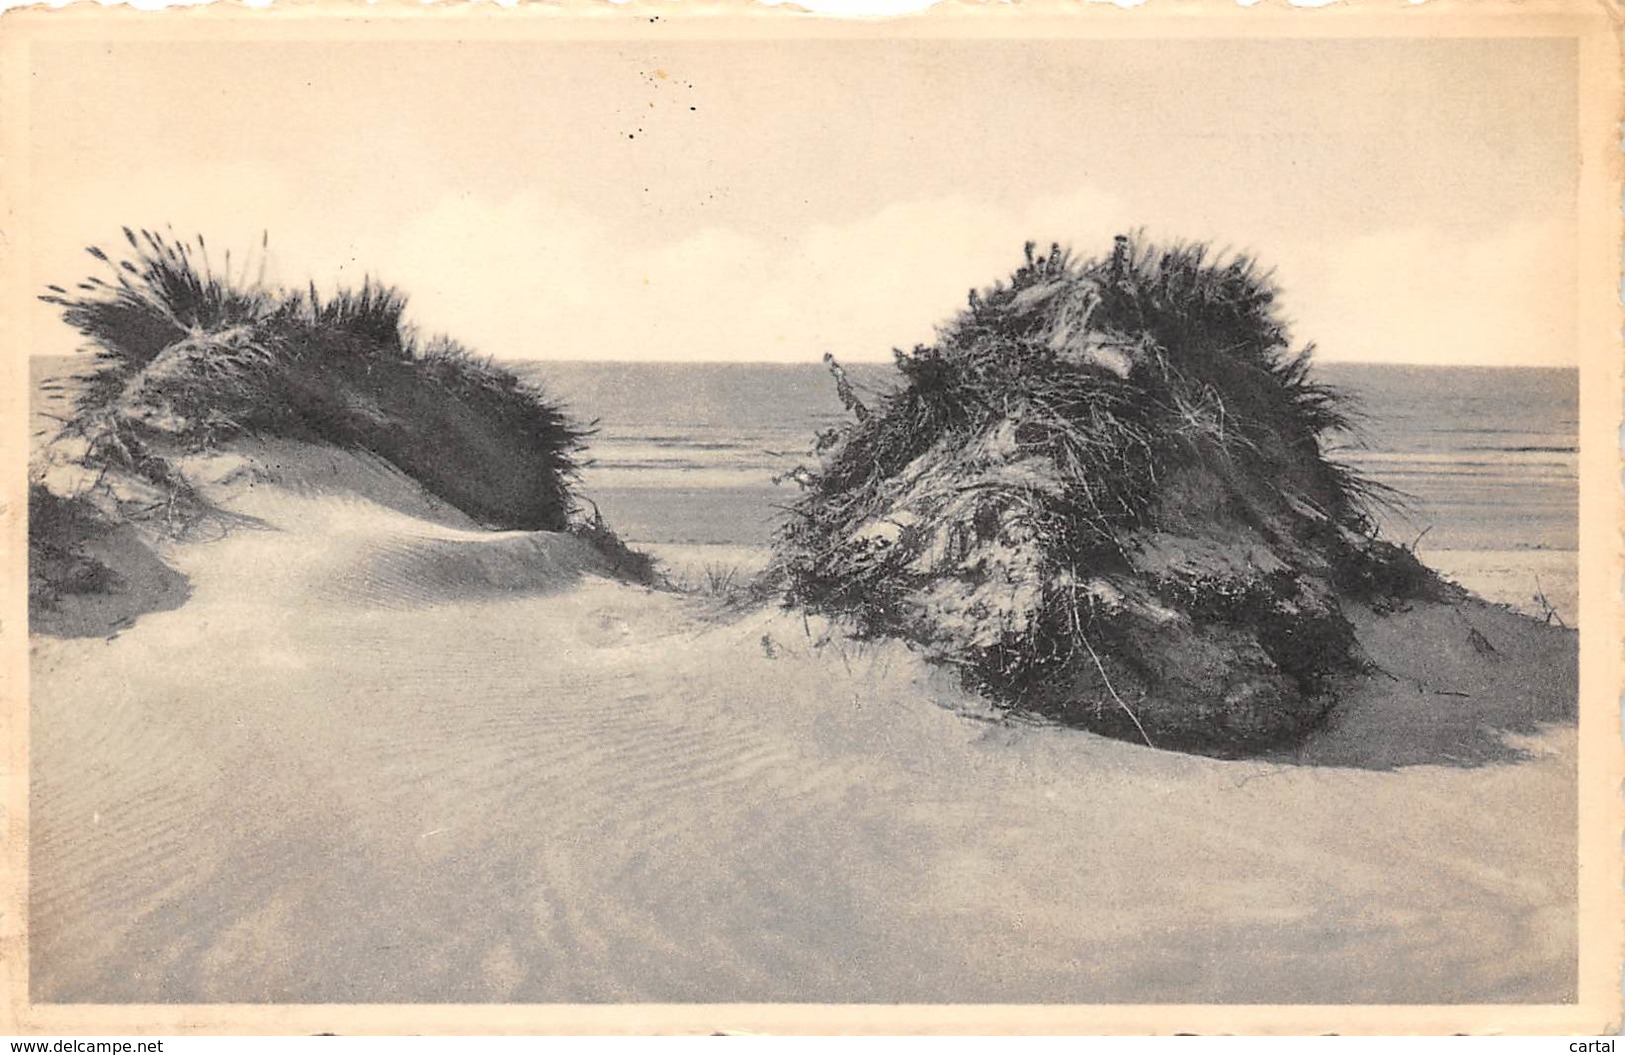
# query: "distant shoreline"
[[698, 516]]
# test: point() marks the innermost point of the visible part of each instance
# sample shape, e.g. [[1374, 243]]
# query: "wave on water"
[[1484, 458]]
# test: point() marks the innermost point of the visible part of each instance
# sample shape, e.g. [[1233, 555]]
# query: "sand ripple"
[[356, 767]]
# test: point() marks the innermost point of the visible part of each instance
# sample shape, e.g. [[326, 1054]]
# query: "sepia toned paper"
[[687, 189]]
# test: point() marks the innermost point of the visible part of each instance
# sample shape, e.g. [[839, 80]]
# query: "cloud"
[[529, 276], [1422, 295], [526, 279]]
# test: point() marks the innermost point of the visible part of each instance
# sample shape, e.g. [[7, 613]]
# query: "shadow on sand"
[[99, 586], [1457, 685]]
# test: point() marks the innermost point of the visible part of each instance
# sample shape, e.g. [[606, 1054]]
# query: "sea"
[[700, 453], [1480, 458]]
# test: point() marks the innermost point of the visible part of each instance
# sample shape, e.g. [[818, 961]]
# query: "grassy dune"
[[382, 754], [191, 359], [1102, 496], [318, 715]]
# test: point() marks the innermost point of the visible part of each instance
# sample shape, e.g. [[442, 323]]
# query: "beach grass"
[[194, 352], [190, 355], [1102, 492]]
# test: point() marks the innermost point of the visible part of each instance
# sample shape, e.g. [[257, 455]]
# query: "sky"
[[770, 200]]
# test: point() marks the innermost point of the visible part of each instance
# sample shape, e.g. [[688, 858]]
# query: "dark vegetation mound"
[[188, 358], [1103, 495]]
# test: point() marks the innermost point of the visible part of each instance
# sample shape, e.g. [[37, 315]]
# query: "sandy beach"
[[380, 755], [1515, 578]]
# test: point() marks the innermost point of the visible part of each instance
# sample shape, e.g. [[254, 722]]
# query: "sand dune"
[[380, 755]]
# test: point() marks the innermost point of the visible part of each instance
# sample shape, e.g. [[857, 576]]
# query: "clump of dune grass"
[[624, 561], [158, 291], [1103, 495], [193, 350], [725, 585]]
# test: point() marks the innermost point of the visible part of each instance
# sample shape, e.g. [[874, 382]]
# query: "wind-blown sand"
[[379, 755]]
